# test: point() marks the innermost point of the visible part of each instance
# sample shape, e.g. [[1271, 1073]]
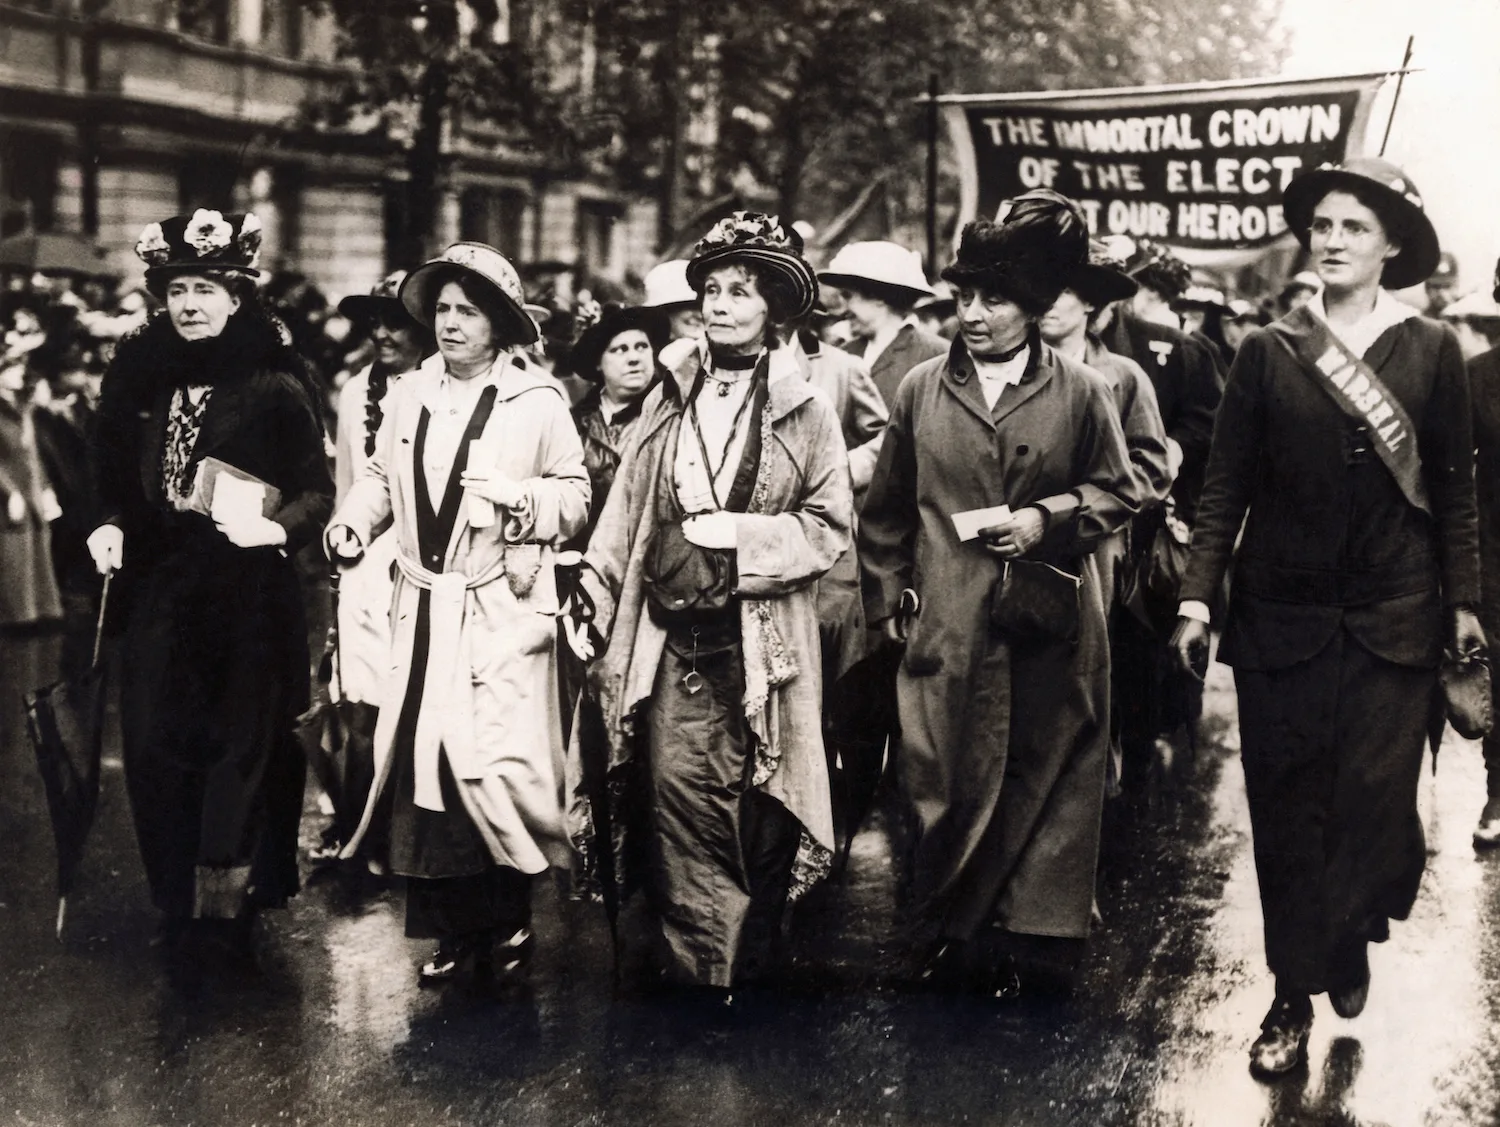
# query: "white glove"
[[15, 508], [343, 545], [577, 635], [253, 532], [493, 486], [106, 546], [712, 530], [50, 508]]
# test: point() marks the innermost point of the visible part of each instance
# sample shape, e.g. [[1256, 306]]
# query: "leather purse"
[[686, 584], [1466, 691], [1036, 603]]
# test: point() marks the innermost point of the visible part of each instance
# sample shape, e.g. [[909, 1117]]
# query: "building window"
[[208, 19], [494, 216], [28, 181], [596, 235]]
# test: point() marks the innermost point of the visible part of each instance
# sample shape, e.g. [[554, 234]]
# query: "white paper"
[[237, 500], [482, 456], [968, 523]]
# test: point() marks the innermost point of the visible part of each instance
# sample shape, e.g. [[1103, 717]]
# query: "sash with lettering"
[[1354, 386]]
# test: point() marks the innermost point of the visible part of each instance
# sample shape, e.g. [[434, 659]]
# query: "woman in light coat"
[[479, 469]]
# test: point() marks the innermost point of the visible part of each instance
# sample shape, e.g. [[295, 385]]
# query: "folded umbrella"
[[321, 730], [65, 721]]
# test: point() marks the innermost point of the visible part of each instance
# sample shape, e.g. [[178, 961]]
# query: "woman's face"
[[1068, 317], [989, 323], [626, 366], [199, 307], [1348, 243], [396, 344], [866, 314], [735, 314], [686, 323], [1192, 320], [465, 336]]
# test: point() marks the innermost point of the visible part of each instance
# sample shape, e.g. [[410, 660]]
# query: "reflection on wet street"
[[333, 1030]]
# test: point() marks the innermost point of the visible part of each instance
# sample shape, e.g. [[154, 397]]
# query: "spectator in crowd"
[[668, 292], [1243, 317], [1476, 319], [1300, 288], [1442, 287]]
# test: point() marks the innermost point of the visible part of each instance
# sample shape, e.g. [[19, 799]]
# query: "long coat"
[[797, 527], [912, 346], [495, 712], [215, 667], [28, 592], [1003, 748]]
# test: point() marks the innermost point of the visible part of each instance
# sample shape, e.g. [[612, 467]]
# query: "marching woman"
[[1345, 435], [479, 470], [1004, 688], [215, 648], [364, 592], [733, 501]]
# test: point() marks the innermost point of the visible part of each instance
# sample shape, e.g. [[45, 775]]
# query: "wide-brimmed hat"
[[1477, 306], [1030, 256], [1388, 192], [589, 349], [667, 286], [1102, 279], [384, 298], [483, 262], [884, 269], [1206, 298], [203, 241], [1156, 267], [749, 236]]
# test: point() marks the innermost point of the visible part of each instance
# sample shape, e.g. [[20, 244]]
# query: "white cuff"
[[1194, 609]]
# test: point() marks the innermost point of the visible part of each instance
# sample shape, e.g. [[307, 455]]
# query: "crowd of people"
[[667, 595]]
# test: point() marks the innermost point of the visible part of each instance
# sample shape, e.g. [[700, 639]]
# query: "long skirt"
[[1332, 750], [721, 852]]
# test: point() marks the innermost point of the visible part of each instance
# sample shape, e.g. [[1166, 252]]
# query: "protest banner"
[[1200, 167]]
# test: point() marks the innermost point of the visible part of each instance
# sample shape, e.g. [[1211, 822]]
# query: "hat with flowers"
[[758, 240], [206, 240]]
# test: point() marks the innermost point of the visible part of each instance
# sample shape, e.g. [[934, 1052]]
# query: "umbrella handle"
[[99, 629]]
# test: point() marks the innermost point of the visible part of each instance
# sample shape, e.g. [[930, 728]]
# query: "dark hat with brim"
[[1100, 285], [1030, 256], [486, 265], [1388, 192], [383, 300], [588, 351], [206, 242], [749, 237]]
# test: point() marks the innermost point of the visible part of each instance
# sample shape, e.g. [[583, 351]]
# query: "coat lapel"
[[1038, 375]]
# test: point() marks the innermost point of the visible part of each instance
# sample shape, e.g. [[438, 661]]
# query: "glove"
[[106, 546], [343, 545], [494, 487], [712, 530], [253, 532], [15, 508]]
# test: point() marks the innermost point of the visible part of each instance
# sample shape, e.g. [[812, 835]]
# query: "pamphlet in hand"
[[969, 523], [229, 495]]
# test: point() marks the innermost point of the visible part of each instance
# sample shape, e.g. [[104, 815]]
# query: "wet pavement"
[[333, 1029]]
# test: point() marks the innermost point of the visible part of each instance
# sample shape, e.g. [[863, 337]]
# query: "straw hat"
[[884, 268], [483, 262]]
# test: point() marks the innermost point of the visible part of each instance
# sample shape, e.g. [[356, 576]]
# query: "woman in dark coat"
[[1345, 435], [215, 650], [1005, 733]]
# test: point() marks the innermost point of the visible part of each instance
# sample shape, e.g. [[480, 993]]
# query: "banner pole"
[[1396, 98], [932, 172]]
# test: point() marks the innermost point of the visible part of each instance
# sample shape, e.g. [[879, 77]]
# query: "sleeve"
[[613, 539], [1201, 388], [783, 552], [889, 521], [307, 498], [344, 438], [1448, 456], [1145, 435], [556, 502], [367, 505], [111, 449], [1108, 493], [864, 427], [1231, 471]]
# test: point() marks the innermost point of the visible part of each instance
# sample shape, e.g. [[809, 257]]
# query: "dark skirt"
[[1332, 750], [721, 852], [454, 886]]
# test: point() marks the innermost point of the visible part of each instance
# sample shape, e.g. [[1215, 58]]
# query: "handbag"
[[686, 584], [1466, 691], [1034, 602], [1150, 581]]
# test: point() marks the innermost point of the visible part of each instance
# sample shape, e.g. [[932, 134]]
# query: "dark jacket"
[[1189, 383], [1484, 390], [604, 444], [911, 347], [1330, 538]]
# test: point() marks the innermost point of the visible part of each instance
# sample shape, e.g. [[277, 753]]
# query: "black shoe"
[[1282, 1044], [445, 963], [1353, 966]]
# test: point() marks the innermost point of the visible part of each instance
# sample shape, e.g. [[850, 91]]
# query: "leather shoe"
[[1349, 1000], [1282, 1044], [1487, 833]]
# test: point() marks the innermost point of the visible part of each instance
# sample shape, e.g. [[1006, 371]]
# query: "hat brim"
[[415, 296], [588, 350], [907, 295], [156, 275], [367, 307], [1102, 285], [1404, 221], [791, 268]]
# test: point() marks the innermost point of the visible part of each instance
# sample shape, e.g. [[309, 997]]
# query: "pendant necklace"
[[743, 366]]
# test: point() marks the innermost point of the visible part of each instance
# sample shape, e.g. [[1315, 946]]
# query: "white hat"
[[1478, 304], [667, 285], [886, 264]]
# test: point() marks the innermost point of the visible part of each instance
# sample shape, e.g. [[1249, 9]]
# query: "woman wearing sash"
[[480, 473], [731, 503], [1345, 435]]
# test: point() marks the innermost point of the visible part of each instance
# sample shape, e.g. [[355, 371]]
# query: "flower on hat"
[[249, 239], [207, 232], [746, 229], [152, 248]]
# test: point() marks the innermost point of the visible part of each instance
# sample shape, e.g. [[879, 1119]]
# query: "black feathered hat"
[[1030, 256], [589, 349], [1101, 279]]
